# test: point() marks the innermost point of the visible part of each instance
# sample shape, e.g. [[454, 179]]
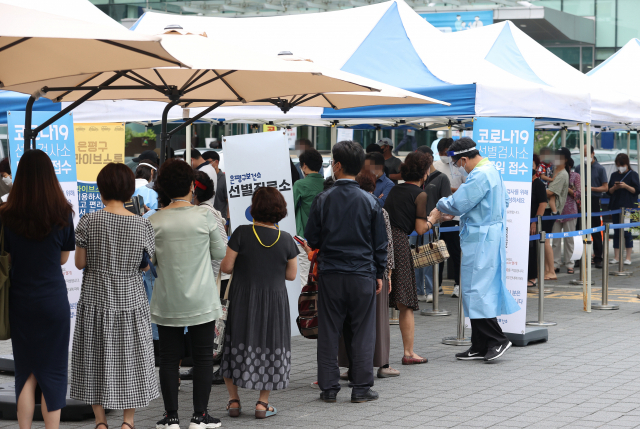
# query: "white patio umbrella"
[[44, 39], [220, 75]]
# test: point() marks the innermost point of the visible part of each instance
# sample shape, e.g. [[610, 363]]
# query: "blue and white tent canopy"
[[496, 70], [17, 102], [618, 75]]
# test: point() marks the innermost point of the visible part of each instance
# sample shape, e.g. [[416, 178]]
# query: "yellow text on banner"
[[96, 146]]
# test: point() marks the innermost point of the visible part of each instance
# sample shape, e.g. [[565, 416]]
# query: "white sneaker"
[[430, 298], [613, 261], [456, 291], [627, 262], [422, 298]]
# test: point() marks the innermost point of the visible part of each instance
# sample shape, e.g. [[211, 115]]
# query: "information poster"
[[508, 143], [96, 145], [57, 141], [253, 161]]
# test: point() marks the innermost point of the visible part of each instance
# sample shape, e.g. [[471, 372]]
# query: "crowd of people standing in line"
[[555, 190], [149, 279]]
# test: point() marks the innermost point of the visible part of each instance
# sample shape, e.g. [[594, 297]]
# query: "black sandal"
[[130, 426], [234, 412], [102, 424]]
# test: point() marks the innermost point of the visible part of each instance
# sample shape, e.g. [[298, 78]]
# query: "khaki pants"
[[303, 265], [568, 226]]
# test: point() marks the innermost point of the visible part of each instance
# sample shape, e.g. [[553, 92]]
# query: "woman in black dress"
[[538, 206], [257, 346], [38, 223], [407, 208]]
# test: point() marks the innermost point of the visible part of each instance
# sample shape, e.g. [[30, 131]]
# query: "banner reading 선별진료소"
[[96, 146], [258, 160], [508, 143], [57, 141]]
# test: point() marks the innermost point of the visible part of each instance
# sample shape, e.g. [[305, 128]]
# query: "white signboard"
[[253, 161], [345, 134]]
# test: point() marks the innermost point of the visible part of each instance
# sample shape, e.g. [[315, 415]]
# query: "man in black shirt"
[[347, 225]]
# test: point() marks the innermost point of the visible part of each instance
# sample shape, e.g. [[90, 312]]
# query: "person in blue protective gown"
[[481, 202]]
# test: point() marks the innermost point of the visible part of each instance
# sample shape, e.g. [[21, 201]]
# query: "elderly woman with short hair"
[[257, 345]]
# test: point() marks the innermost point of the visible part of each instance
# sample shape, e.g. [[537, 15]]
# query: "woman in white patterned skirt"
[[112, 359]]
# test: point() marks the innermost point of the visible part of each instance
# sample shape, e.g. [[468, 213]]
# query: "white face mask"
[[622, 169], [333, 174], [445, 159], [463, 171], [7, 180]]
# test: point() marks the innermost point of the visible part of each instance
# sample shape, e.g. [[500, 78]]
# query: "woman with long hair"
[[112, 339], [37, 223]]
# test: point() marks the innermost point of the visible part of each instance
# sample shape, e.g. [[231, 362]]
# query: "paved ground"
[[587, 375]]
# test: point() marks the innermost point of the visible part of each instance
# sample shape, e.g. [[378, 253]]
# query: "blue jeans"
[[424, 276], [424, 280]]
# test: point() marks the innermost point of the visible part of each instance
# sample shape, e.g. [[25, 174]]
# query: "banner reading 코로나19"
[[58, 142], [508, 143], [96, 146]]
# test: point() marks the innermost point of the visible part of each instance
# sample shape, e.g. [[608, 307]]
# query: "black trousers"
[[171, 340], [596, 237], [452, 240], [347, 307], [486, 333]]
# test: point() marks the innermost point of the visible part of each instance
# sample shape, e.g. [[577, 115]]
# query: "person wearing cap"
[[147, 155], [391, 162], [481, 202]]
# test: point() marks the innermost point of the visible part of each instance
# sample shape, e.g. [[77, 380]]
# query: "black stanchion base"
[[75, 411], [6, 363], [532, 334]]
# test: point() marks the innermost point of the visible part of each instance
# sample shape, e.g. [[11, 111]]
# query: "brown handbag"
[[307, 319], [429, 254]]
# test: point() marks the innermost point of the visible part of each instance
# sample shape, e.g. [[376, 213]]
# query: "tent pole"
[[583, 212], [163, 132], [589, 217], [629, 143], [27, 125], [563, 137], [334, 136], [187, 146]]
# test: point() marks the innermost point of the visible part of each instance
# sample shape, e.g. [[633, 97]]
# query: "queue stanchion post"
[[604, 305], [621, 272], [436, 286], [459, 339], [540, 263], [394, 320], [541, 290], [580, 281]]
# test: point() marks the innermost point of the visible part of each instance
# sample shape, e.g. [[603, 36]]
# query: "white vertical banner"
[[253, 161], [508, 143]]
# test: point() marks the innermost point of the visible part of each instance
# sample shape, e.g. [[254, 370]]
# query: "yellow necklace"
[[260, 241]]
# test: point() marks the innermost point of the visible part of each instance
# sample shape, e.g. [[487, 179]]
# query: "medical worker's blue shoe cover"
[[470, 355], [495, 352], [369, 395]]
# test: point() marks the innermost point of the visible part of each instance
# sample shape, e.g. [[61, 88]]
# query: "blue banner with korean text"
[[508, 144]]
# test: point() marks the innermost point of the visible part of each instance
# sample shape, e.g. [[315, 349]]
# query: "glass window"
[[606, 23], [628, 18], [579, 7], [553, 4], [587, 58], [570, 55]]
